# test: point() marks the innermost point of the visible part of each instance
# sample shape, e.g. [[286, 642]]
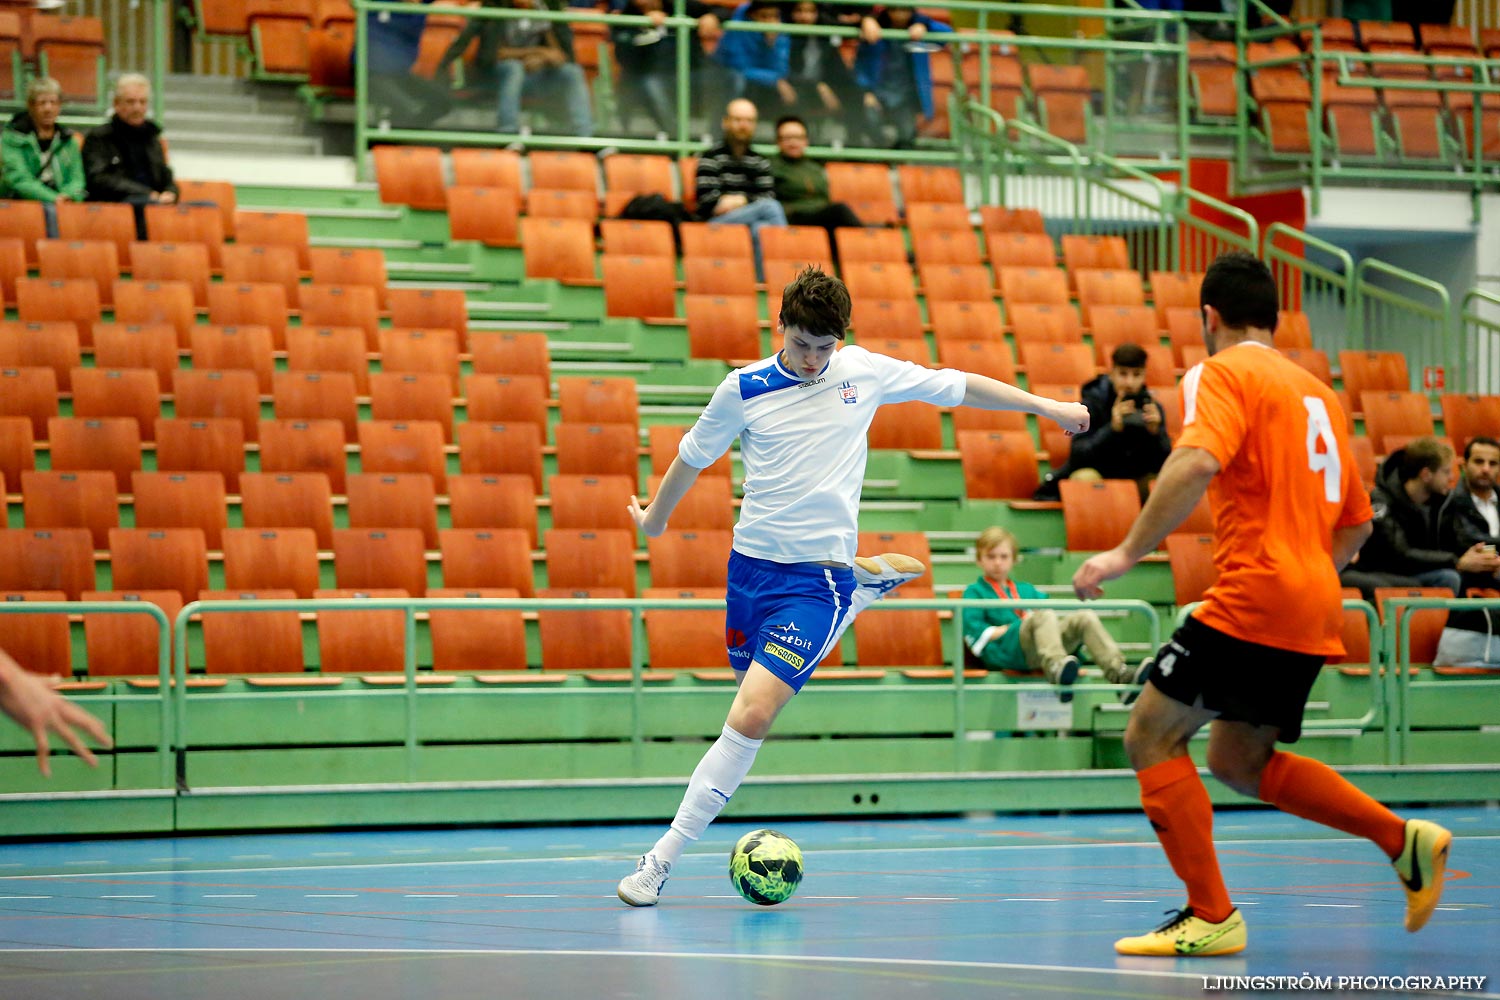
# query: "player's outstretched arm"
[[38, 709], [985, 393], [652, 519], [1182, 482]]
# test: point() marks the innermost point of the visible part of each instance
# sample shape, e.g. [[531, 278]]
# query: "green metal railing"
[[1405, 312], [1479, 340], [1165, 226], [1399, 612], [167, 766], [979, 38], [1316, 277]]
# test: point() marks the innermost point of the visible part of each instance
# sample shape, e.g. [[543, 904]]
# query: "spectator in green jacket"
[[802, 184], [1036, 640], [41, 160]]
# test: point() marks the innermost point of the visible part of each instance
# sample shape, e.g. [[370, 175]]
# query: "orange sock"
[[1315, 791], [1182, 816]]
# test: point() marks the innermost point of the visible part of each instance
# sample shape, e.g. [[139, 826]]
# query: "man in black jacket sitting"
[[123, 159], [1404, 550], [1127, 435]]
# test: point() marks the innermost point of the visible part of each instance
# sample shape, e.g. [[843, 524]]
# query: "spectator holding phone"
[[1127, 435]]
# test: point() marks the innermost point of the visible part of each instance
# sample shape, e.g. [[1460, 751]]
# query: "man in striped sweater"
[[735, 183]]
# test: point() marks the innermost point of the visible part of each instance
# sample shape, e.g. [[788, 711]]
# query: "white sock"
[[715, 779]]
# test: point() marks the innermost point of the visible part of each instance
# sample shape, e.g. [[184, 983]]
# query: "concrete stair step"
[[230, 141]]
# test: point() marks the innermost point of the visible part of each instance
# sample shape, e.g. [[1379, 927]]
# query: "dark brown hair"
[[816, 303]]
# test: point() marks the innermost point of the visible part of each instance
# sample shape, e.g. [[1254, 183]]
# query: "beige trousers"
[[1046, 640]]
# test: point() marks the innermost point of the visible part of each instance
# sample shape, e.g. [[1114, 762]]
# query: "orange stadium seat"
[[361, 642], [476, 639], [121, 645], [173, 559], [288, 500], [726, 327], [597, 449], [1097, 514], [590, 639], [38, 642], [275, 228], [118, 392], [102, 443], [181, 500], [1192, 560], [410, 175], [1373, 371], [959, 320], [487, 557], [998, 464], [329, 349], [44, 345], [413, 396], [501, 449], [153, 347], [427, 351], [591, 501], [508, 353], [503, 501], [394, 501], [690, 558], [702, 239], [403, 446], [639, 287], [51, 559], [272, 558], [29, 393], [243, 348], [271, 264], [484, 166], [148, 302], [72, 300], [488, 215], [1467, 416], [298, 395], [203, 394], [589, 559], [504, 398], [342, 305], [304, 446], [870, 245], [558, 248], [344, 266], [173, 262], [255, 642], [719, 275], [637, 237], [375, 558], [682, 639], [112, 222], [206, 445], [180, 223], [81, 499], [250, 304]]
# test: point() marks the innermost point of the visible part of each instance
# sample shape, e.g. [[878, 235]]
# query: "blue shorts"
[[784, 616]]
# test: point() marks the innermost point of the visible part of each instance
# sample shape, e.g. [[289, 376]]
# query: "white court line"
[[1029, 899], [930, 899], [229, 895], [330, 895], [619, 856], [530, 895], [1155, 902], [1335, 906], [128, 897], [25, 897]]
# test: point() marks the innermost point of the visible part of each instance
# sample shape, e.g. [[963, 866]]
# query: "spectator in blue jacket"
[[758, 62], [897, 76]]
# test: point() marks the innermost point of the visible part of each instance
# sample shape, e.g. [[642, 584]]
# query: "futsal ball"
[[766, 867]]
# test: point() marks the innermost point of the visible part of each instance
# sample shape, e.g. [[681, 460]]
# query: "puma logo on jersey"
[[764, 379]]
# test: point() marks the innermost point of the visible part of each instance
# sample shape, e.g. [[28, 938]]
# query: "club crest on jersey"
[[849, 393]]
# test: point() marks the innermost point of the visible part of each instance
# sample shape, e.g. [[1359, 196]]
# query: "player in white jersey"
[[802, 417]]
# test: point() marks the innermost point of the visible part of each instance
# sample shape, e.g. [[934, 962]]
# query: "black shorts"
[[1241, 681]]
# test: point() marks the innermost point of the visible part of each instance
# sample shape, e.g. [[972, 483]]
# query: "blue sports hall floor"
[[992, 906]]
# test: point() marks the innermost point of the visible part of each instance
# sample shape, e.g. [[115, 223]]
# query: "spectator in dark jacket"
[[1127, 435], [647, 57], [123, 159], [1404, 550], [1470, 516], [735, 184]]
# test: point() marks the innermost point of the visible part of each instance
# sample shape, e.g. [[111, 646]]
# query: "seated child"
[[1034, 640]]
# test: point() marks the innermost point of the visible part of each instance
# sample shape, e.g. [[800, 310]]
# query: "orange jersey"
[[1286, 481]]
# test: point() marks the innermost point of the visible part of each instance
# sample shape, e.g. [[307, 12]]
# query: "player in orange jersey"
[[1268, 442]]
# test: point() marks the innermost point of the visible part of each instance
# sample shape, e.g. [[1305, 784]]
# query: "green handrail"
[[1293, 269], [165, 732], [1476, 325], [1410, 312], [1399, 611], [637, 607]]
